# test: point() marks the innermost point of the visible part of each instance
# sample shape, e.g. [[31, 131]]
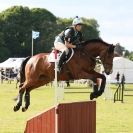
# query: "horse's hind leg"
[[32, 85], [27, 100], [19, 98], [19, 101]]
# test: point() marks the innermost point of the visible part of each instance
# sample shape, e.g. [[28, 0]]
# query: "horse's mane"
[[95, 41]]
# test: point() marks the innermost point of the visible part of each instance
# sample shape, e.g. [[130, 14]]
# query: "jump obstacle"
[[118, 95], [77, 117]]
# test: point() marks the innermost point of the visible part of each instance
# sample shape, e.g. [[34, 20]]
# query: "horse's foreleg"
[[95, 90], [102, 87], [19, 101], [27, 101], [99, 92], [93, 75], [17, 84]]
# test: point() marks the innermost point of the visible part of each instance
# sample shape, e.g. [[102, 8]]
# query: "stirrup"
[[58, 69]]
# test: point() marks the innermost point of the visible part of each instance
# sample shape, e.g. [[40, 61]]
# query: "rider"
[[68, 39]]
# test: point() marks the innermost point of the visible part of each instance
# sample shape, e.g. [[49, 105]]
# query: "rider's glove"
[[79, 46]]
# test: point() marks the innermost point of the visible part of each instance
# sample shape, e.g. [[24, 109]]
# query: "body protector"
[[71, 36]]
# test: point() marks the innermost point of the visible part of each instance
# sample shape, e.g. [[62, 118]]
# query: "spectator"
[[2, 75], [117, 77], [67, 82], [123, 79]]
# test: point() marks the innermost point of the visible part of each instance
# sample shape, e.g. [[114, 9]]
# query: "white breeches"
[[61, 47]]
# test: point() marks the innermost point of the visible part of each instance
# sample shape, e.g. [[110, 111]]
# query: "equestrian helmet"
[[77, 21]]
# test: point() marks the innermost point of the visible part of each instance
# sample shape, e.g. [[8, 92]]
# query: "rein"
[[95, 58], [109, 49], [106, 53], [83, 51], [88, 55]]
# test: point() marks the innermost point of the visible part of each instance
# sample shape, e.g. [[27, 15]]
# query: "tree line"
[[17, 23]]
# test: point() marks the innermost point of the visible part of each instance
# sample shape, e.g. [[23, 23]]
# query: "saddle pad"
[[51, 56]]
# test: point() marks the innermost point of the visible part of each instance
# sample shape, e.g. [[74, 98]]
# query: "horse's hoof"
[[99, 93], [16, 108], [24, 109], [15, 99], [92, 96]]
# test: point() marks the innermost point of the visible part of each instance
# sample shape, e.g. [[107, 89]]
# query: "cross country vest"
[[71, 35]]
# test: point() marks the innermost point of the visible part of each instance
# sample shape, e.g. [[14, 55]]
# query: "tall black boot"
[[62, 58]]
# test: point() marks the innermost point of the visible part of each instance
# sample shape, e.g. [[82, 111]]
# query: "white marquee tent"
[[123, 66], [12, 63]]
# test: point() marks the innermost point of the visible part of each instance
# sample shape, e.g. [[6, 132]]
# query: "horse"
[[37, 71]]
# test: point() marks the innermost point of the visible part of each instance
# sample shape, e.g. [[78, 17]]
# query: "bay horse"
[[36, 71]]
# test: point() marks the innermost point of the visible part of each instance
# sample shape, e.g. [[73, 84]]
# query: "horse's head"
[[97, 47], [106, 57]]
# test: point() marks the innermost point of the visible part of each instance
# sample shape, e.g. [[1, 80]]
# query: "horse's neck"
[[94, 49]]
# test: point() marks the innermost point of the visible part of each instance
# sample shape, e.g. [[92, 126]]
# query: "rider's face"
[[78, 27]]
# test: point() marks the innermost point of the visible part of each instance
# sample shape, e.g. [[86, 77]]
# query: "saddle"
[[51, 56]]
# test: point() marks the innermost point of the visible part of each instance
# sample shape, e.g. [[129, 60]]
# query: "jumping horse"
[[37, 71]]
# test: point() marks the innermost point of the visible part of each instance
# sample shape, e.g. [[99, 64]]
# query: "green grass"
[[111, 117], [14, 122]]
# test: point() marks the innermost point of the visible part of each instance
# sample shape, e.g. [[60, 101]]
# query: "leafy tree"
[[90, 29], [15, 28], [18, 23], [124, 52], [43, 21], [131, 56], [119, 49], [127, 53]]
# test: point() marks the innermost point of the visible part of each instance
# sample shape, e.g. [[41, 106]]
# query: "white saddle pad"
[[51, 56]]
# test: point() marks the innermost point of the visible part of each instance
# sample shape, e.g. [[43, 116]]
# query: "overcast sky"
[[115, 17]]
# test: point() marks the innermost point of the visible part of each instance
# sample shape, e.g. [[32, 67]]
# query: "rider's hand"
[[69, 45], [79, 46]]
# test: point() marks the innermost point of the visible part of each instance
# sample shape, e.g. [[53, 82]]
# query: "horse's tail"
[[22, 70]]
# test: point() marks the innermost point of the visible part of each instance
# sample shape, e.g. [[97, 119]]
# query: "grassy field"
[[111, 117]]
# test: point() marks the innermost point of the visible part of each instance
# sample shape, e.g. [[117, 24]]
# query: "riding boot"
[[62, 58]]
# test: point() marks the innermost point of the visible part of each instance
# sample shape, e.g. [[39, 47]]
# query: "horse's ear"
[[116, 54], [111, 48]]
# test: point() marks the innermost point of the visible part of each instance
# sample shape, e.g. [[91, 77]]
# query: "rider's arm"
[[81, 38], [69, 45]]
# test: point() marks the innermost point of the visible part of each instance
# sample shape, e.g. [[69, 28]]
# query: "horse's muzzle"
[[108, 72]]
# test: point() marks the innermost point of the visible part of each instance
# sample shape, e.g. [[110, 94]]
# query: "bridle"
[[104, 58]]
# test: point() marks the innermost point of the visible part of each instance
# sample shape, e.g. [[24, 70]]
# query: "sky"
[[115, 17]]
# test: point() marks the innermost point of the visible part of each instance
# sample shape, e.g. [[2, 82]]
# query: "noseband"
[[106, 53]]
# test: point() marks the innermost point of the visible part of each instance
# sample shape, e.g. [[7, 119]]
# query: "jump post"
[[119, 93]]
